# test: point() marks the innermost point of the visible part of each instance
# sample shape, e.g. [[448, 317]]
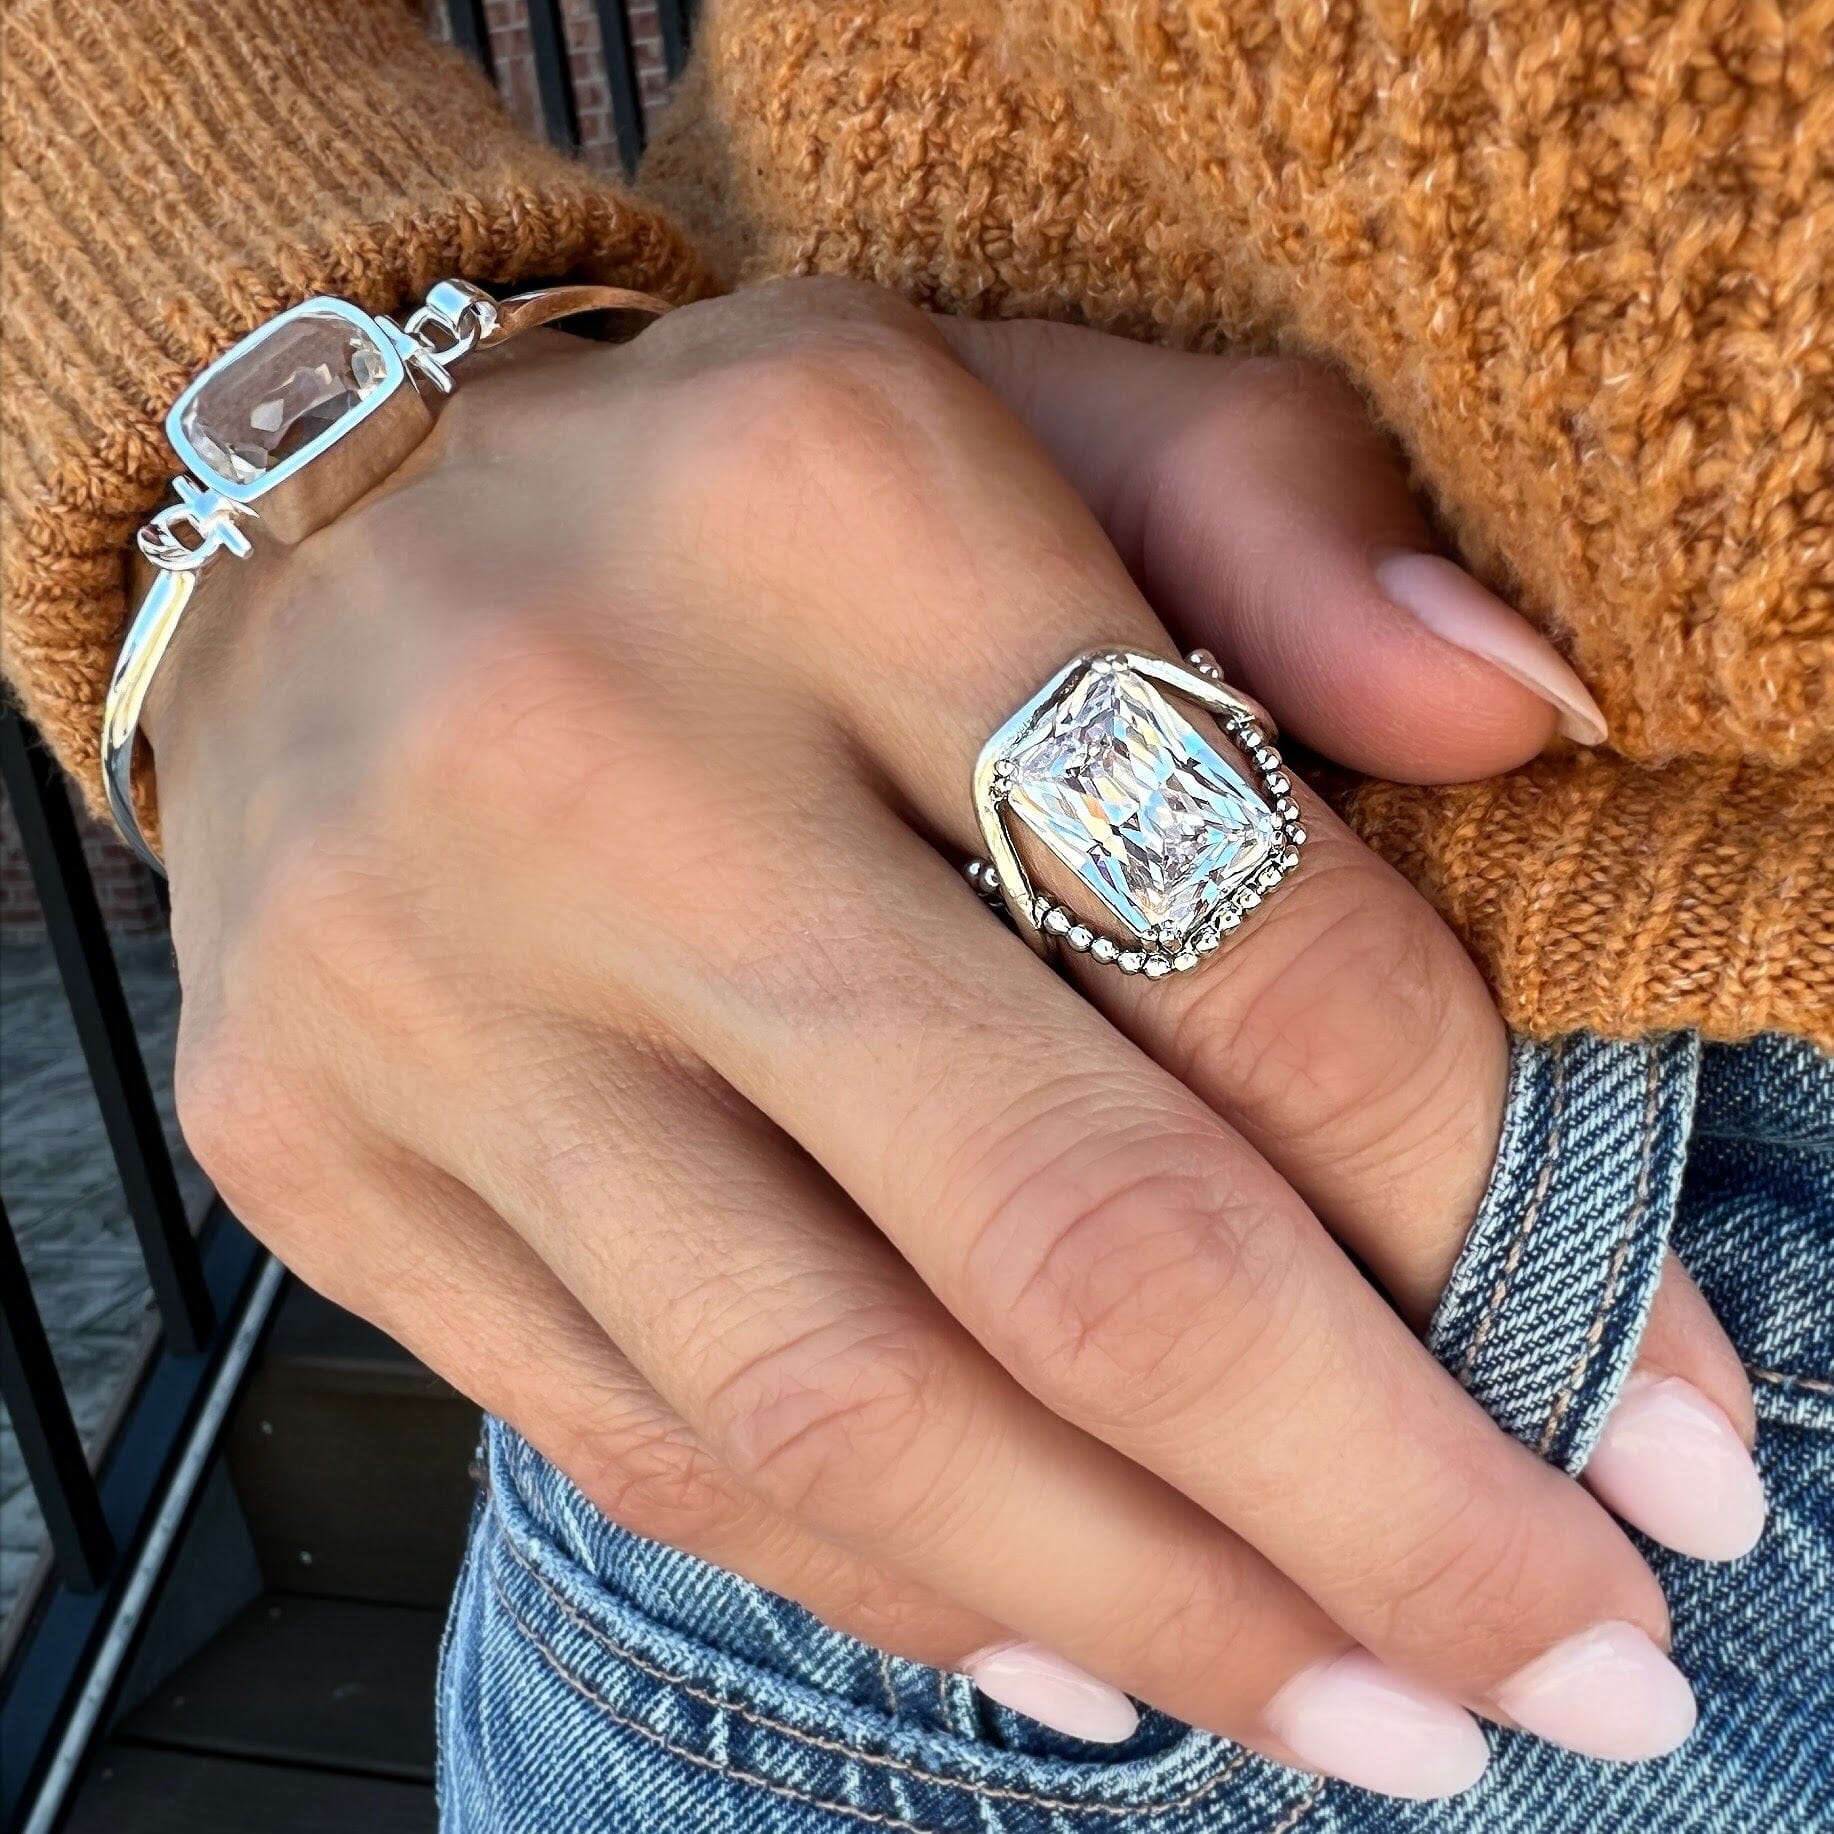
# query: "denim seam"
[[1783, 1378], [1627, 1235], [789, 1792], [1544, 1180], [687, 1753], [1300, 1809], [833, 1747]]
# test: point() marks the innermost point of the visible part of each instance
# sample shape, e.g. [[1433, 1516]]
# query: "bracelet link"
[[455, 319], [209, 519]]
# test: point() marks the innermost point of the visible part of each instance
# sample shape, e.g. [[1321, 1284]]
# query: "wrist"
[[311, 414]]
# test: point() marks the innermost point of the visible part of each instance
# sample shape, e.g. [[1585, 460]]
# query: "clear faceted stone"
[[288, 389], [1139, 805]]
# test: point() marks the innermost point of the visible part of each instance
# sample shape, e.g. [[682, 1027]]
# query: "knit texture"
[[1576, 257]]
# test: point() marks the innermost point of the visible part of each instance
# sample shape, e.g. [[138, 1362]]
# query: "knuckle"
[[272, 1149], [246, 1123], [1465, 1590], [841, 412], [1130, 1269], [653, 1479], [822, 1425]]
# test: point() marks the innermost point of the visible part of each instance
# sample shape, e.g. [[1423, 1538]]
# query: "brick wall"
[[124, 886], [509, 44]]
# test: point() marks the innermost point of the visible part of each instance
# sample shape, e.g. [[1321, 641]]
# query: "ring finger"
[[803, 1355]]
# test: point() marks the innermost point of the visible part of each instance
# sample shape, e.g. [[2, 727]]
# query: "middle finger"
[[1131, 1259], [804, 1355]]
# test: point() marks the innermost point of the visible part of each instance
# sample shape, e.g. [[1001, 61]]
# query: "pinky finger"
[[531, 1355]]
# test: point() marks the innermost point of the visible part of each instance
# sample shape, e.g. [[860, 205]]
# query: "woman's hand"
[[580, 984]]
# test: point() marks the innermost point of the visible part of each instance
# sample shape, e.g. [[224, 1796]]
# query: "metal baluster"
[[677, 21], [48, 1438], [471, 32], [621, 82], [553, 73], [105, 1028]]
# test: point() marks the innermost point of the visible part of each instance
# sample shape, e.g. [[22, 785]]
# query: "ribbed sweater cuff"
[[1602, 896], [175, 174]]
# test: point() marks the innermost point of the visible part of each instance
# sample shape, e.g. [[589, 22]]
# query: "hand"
[[580, 984]]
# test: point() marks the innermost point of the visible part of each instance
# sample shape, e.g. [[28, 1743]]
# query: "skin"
[[580, 984]]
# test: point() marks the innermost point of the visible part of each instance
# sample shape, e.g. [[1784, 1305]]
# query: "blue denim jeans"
[[597, 1683]]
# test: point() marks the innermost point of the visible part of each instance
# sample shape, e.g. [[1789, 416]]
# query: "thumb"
[[1266, 518]]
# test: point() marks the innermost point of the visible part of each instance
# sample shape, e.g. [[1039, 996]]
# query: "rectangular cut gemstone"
[[281, 393], [1139, 805]]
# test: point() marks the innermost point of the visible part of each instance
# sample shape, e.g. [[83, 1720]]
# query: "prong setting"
[[1163, 948]]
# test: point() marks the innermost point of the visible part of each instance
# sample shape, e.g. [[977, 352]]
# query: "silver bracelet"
[[281, 434]]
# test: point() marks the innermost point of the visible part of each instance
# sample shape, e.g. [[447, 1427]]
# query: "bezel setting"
[[306, 489], [1209, 893], [374, 340]]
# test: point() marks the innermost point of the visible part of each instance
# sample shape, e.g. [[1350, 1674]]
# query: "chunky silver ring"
[[1174, 842]]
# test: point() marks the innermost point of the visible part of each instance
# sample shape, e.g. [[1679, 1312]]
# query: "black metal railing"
[[114, 1511], [555, 84]]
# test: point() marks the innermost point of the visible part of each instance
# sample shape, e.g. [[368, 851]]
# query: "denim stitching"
[[1783, 1378], [1627, 1236], [689, 1756], [833, 1747], [1301, 1809], [593, 1698], [1544, 1179]]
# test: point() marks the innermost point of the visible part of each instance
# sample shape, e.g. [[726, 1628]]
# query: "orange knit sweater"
[[1578, 257]]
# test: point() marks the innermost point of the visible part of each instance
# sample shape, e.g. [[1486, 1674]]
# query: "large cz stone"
[[281, 393], [1138, 804]]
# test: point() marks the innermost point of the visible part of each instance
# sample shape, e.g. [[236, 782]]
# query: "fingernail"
[[1451, 604], [1040, 1684], [1608, 1692], [1355, 1718], [1670, 1463]]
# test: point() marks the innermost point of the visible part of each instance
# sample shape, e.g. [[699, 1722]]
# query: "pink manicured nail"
[[1670, 1463], [1608, 1692], [1043, 1686], [1451, 604], [1355, 1718]]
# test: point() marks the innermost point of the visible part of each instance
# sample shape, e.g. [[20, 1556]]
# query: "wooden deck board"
[[355, 1478], [329, 1683], [312, 1711], [143, 1790]]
